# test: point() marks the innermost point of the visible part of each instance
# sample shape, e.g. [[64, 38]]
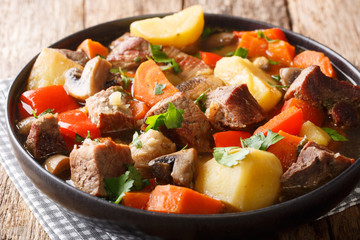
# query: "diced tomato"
[[229, 138], [76, 122], [41, 99]]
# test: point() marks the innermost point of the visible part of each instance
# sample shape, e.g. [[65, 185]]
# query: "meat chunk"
[[79, 57], [93, 162], [154, 144], [128, 52], [195, 130], [44, 138], [110, 110], [233, 107], [190, 66], [315, 166], [322, 91], [194, 87], [176, 168]]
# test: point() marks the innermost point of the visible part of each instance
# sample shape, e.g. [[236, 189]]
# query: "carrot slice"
[[271, 33], [139, 109], [93, 48], [256, 46], [281, 51], [286, 149], [147, 76], [309, 57], [310, 113], [175, 199], [289, 121], [136, 199]]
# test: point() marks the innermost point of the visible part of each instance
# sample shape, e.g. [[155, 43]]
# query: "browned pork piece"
[[232, 107], [315, 166], [190, 66], [195, 86], [44, 138], [93, 162], [79, 57], [154, 144], [195, 130], [175, 168], [110, 110], [128, 52], [340, 98]]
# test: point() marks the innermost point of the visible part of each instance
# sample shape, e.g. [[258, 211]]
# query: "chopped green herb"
[[229, 54], [101, 56], [241, 52], [159, 88], [184, 147], [171, 119], [166, 67], [43, 113], [273, 62], [301, 145], [78, 138], [230, 156], [88, 135], [197, 55], [217, 48], [206, 33], [335, 135], [259, 141], [200, 101], [137, 59], [279, 86], [124, 79], [261, 34], [136, 140], [161, 57], [130, 180], [276, 77]]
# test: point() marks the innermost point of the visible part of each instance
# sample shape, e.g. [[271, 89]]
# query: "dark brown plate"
[[114, 217]]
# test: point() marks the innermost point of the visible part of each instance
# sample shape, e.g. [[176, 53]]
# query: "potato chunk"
[[237, 70], [314, 133], [252, 184], [50, 68]]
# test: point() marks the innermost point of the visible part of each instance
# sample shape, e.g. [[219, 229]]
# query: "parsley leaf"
[[161, 57], [279, 86], [159, 88], [206, 33], [230, 156], [101, 56], [276, 77], [259, 141], [78, 138], [124, 79], [273, 62], [130, 180], [184, 147], [136, 140], [200, 101], [335, 135], [171, 119], [137, 59], [43, 113], [241, 52], [261, 34]]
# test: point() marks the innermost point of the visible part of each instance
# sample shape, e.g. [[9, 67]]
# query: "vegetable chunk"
[[252, 184], [236, 71], [174, 199], [49, 69], [179, 29]]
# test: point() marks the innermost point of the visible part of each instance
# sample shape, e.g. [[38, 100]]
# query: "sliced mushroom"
[[288, 75], [92, 79], [219, 40], [262, 63], [57, 164], [175, 168], [79, 57], [24, 125]]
